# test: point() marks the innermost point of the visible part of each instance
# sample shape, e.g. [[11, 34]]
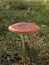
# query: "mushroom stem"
[[23, 41]]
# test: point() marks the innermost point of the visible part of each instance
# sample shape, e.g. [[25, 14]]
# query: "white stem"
[[23, 41]]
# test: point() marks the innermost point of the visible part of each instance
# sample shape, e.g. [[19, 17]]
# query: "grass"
[[10, 43]]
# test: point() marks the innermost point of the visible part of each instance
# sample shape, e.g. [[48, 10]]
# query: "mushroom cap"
[[24, 27]]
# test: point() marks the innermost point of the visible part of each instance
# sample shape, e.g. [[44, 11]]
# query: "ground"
[[37, 43]]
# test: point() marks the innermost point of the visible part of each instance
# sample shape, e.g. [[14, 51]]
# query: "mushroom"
[[24, 28]]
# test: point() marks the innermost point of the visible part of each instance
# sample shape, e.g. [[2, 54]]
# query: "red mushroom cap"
[[24, 27]]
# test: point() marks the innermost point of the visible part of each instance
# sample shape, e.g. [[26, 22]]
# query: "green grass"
[[17, 11]]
